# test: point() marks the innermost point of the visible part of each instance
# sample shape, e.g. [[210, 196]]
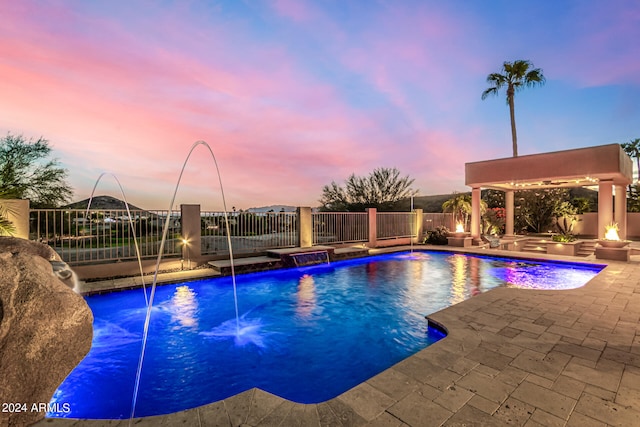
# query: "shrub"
[[563, 238], [437, 236]]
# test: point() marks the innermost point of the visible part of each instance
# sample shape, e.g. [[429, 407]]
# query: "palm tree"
[[515, 76], [632, 148], [460, 206]]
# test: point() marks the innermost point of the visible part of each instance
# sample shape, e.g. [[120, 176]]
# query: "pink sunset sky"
[[292, 95]]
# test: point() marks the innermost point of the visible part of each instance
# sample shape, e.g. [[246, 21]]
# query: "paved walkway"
[[512, 357]]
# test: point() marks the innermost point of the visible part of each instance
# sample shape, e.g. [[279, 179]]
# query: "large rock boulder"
[[45, 330]]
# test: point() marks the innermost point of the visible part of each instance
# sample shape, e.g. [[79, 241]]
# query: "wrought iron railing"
[[391, 225], [431, 221], [340, 227], [249, 232], [103, 235], [108, 235]]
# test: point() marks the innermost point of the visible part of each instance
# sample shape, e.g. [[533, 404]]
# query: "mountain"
[[103, 203], [426, 203]]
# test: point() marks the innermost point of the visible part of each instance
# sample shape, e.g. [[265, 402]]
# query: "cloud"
[[290, 95], [597, 46]]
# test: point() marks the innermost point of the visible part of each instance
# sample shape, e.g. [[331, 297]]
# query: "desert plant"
[[382, 189], [25, 172], [565, 218]]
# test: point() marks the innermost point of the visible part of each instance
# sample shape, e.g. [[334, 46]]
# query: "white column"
[[509, 209], [620, 210], [605, 206], [475, 213]]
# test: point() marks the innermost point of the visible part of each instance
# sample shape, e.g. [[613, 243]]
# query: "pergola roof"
[[570, 168]]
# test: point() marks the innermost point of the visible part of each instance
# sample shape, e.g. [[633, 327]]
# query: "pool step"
[[535, 246], [587, 248]]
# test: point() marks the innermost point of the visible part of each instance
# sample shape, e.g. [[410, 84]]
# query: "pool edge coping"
[[358, 404]]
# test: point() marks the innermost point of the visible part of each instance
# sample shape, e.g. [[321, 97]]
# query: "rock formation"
[[45, 329]]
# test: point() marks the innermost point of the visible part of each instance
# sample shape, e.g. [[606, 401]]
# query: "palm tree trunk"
[[514, 137]]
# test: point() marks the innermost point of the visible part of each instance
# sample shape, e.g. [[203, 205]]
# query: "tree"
[[536, 208], [493, 198], [460, 206], [515, 76], [632, 148], [581, 204], [381, 189], [633, 201], [25, 172]]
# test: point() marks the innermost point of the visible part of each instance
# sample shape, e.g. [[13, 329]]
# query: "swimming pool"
[[307, 334]]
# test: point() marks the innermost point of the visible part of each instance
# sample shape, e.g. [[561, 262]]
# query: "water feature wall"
[[303, 259]]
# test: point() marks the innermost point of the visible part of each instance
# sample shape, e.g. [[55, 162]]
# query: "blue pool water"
[[306, 335]]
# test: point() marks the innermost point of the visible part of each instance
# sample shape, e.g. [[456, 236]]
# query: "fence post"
[[373, 227], [305, 227], [190, 231], [18, 214], [418, 225]]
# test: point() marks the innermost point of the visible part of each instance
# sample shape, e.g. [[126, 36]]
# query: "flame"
[[611, 232], [459, 228]]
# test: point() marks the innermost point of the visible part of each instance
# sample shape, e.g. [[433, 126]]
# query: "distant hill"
[[102, 203], [426, 203]]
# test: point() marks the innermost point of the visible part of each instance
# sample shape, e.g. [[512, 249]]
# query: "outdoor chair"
[[494, 241]]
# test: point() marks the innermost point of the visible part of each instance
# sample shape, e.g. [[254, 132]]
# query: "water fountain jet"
[[133, 229], [145, 333]]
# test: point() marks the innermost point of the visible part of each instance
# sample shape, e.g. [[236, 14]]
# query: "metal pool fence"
[[108, 235], [103, 235], [340, 227], [391, 225], [250, 232]]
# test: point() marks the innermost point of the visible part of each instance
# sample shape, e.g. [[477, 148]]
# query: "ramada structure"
[[605, 166]]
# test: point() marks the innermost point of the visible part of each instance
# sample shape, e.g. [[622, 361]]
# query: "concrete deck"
[[512, 357]]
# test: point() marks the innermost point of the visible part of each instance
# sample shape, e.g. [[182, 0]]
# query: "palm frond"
[[6, 226]]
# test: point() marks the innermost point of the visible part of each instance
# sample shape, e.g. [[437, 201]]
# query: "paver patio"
[[511, 357]]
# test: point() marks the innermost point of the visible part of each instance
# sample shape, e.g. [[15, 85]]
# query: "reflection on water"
[[414, 256], [474, 275], [249, 331], [185, 307], [306, 296], [458, 265]]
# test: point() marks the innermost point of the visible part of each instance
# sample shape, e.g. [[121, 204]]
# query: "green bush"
[[563, 238], [437, 236]]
